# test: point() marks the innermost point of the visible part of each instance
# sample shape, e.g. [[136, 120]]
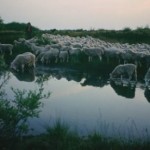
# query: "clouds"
[[73, 14]]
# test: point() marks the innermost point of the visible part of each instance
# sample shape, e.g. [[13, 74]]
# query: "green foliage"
[[42, 41], [59, 137], [10, 36], [1, 24], [14, 30], [14, 113], [15, 26]]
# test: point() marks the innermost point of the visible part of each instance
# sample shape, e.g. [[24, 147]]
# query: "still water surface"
[[87, 102]]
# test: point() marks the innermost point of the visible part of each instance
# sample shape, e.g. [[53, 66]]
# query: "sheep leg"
[[130, 77], [100, 57], [125, 61], [56, 60], [89, 59], [121, 78], [34, 65], [10, 52], [135, 74], [22, 67]]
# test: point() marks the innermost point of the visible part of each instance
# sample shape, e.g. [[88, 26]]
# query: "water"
[[86, 102]]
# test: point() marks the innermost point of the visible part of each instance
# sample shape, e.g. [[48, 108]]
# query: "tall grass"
[[59, 137]]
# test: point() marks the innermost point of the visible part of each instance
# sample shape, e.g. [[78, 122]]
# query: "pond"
[[86, 102]]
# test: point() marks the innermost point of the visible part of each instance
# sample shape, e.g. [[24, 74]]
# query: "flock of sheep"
[[66, 48]]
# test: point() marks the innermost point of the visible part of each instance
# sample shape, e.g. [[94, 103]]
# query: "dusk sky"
[[77, 14]]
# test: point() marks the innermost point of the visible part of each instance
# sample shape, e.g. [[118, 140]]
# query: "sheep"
[[41, 49], [147, 59], [147, 78], [74, 53], [22, 41], [39, 57], [22, 60], [126, 69], [35, 49], [63, 56], [6, 48], [50, 55], [93, 52], [113, 52], [58, 46], [138, 56], [76, 45], [127, 56]]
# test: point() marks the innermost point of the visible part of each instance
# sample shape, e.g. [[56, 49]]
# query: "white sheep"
[[113, 53], [22, 60], [74, 53], [6, 48], [63, 56], [93, 52], [126, 69], [127, 56], [51, 55]]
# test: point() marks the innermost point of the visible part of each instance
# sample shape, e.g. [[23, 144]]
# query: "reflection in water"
[[59, 73], [28, 76], [147, 94], [125, 91], [77, 101], [94, 80], [89, 79]]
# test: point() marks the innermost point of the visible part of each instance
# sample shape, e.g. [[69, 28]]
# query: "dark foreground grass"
[[59, 137]]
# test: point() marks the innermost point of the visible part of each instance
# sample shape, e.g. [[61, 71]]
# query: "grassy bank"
[[59, 137], [14, 30]]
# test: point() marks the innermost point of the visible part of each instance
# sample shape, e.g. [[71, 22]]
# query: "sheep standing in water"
[[126, 69], [93, 52], [64, 56], [50, 56], [113, 53], [22, 60]]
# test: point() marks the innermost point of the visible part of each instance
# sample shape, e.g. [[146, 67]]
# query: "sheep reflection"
[[28, 76], [127, 91], [147, 94], [94, 80]]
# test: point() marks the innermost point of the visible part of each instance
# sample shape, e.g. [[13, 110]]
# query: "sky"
[[77, 14]]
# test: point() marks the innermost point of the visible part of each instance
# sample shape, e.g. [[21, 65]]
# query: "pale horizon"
[[75, 14]]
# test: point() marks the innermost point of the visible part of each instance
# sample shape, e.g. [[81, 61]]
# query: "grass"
[[59, 137], [12, 31]]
